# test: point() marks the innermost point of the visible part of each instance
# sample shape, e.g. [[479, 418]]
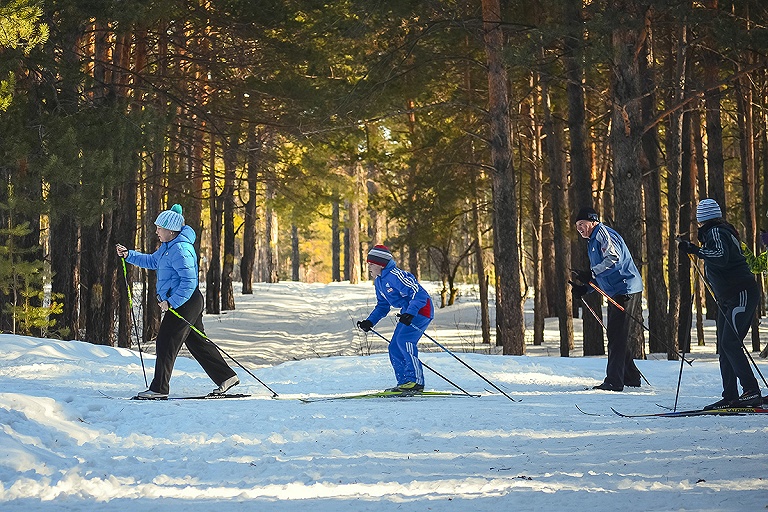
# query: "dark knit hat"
[[587, 213], [708, 209], [379, 255]]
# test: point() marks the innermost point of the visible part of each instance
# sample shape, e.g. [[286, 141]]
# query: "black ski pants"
[[174, 332], [621, 370], [734, 318]]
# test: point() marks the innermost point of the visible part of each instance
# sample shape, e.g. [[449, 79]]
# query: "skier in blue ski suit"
[[400, 289], [176, 264]]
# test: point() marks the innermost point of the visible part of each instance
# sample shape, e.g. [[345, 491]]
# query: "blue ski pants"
[[404, 353]]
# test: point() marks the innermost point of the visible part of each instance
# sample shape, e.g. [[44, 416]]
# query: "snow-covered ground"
[[65, 446]]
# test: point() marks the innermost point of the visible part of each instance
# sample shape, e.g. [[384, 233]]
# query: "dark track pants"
[[737, 311], [621, 370], [174, 333]]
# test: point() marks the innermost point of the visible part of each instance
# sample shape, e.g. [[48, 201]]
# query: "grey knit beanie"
[[708, 209]]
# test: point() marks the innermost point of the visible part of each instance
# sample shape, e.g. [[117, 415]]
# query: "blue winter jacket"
[[611, 262], [176, 265], [397, 288]]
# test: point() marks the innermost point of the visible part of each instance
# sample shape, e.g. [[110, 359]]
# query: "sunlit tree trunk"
[[626, 137], [510, 324], [581, 168], [554, 151], [228, 200]]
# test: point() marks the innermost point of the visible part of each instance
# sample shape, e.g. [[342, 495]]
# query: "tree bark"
[[271, 237], [248, 261], [336, 243], [531, 137], [354, 227], [581, 167], [744, 97], [626, 139], [295, 254], [213, 276], [228, 198], [510, 322], [559, 176], [656, 291]]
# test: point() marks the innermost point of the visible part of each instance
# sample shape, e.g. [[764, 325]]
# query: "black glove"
[[688, 247], [584, 276], [365, 325], [579, 289], [406, 318]]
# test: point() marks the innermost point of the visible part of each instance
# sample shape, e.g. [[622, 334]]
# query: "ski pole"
[[209, 340], [426, 366], [133, 320], [430, 338], [727, 320], [600, 321], [630, 315]]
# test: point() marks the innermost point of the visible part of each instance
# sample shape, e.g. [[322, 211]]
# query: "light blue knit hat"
[[708, 209], [172, 219]]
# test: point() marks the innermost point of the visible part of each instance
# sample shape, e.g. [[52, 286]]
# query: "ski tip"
[[585, 412]]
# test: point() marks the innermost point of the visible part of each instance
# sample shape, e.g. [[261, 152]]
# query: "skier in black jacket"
[[737, 296]]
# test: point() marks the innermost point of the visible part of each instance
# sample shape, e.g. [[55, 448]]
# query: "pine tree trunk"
[[228, 198], [152, 313], [295, 254], [559, 176], [715, 155], [510, 322], [65, 262], [213, 276], [581, 168], [248, 260], [744, 116], [530, 145], [98, 281], [336, 243], [482, 278], [656, 287], [626, 141], [271, 235], [125, 233], [678, 202], [354, 228]]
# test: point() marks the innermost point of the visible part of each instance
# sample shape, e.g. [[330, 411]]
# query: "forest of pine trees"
[[296, 134]]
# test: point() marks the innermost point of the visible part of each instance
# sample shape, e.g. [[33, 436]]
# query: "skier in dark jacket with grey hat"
[[737, 296]]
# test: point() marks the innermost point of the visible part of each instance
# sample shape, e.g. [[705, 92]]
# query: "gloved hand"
[[406, 318], [579, 289], [688, 247], [584, 276], [365, 325]]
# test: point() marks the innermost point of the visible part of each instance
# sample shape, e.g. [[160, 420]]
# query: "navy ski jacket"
[[176, 265], [611, 262], [724, 263], [397, 288]]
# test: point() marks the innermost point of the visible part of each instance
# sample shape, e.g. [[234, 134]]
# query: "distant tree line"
[[296, 134]]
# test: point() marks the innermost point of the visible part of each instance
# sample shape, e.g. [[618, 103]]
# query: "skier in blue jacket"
[[614, 271], [176, 265], [400, 289]]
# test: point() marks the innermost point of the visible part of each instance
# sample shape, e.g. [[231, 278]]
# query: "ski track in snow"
[[66, 447]]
